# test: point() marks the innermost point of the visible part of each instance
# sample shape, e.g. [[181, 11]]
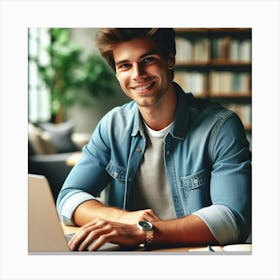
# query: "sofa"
[[49, 146]]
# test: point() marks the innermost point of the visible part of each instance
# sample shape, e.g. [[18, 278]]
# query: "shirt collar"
[[137, 127], [182, 114], [181, 120]]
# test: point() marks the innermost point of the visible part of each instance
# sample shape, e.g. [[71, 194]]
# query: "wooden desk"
[[242, 248], [73, 159]]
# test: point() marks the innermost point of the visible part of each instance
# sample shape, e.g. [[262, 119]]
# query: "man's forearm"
[[93, 209], [183, 231]]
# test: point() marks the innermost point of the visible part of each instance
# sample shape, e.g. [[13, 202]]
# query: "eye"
[[149, 59], [123, 66]]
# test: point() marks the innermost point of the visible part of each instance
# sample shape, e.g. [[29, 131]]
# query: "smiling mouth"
[[144, 88]]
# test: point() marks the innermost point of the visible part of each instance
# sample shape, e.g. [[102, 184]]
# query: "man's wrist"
[[148, 229]]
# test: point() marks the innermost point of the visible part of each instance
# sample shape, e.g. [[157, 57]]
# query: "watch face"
[[145, 225]]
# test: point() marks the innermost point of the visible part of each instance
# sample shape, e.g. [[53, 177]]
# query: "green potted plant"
[[67, 76]]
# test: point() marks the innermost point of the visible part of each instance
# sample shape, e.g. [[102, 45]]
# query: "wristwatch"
[[149, 230]]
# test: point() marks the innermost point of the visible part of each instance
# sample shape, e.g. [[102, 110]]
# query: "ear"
[[171, 61]]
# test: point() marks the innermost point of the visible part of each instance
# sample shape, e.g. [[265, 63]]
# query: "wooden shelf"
[[226, 62], [213, 63], [225, 66], [231, 95], [191, 30], [182, 31], [227, 96]]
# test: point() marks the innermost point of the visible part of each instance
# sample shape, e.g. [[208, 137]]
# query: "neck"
[[161, 114]]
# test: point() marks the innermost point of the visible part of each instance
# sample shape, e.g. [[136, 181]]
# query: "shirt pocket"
[[116, 171], [196, 190]]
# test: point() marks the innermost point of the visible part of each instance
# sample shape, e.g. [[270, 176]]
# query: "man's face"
[[144, 75]]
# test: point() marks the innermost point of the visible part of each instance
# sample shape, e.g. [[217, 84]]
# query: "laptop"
[[45, 233]]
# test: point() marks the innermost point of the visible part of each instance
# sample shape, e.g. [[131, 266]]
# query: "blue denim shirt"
[[206, 155]]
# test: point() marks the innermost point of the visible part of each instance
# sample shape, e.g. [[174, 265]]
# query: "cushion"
[[38, 142], [60, 135]]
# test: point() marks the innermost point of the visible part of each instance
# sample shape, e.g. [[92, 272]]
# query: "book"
[[226, 248]]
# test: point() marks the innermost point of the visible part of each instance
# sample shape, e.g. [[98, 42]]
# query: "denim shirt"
[[207, 162]]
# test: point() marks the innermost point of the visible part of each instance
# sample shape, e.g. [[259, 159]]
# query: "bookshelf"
[[215, 63]]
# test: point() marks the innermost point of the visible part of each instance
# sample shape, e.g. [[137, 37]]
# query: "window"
[[38, 94]]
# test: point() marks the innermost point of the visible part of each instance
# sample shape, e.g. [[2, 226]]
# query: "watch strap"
[[147, 227], [149, 239]]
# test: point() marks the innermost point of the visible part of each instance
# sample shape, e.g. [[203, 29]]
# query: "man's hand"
[[97, 232]]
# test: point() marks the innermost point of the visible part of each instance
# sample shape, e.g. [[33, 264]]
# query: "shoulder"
[[219, 118], [210, 109], [120, 121], [121, 114], [201, 107]]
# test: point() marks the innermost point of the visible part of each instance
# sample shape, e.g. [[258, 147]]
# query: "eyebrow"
[[151, 52]]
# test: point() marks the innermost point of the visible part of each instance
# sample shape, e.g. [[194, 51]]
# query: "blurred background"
[[70, 88], [68, 80]]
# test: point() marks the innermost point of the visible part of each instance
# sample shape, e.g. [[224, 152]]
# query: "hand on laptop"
[[98, 232]]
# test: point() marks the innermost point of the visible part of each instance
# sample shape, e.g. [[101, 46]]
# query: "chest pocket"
[[116, 171], [196, 190]]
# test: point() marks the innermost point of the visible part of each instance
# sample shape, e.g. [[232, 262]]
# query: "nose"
[[138, 71]]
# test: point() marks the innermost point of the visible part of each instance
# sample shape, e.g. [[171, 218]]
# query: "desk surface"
[[242, 248], [73, 159]]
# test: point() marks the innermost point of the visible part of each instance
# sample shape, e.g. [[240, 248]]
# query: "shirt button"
[[115, 174], [195, 181], [168, 152]]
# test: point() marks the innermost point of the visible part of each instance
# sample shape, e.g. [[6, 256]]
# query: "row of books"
[[235, 50], [220, 82], [229, 82], [195, 82], [203, 50], [192, 50]]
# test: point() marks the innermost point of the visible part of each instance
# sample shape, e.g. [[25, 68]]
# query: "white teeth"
[[143, 87]]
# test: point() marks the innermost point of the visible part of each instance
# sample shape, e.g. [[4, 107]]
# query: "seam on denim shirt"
[[116, 171], [195, 180], [223, 116]]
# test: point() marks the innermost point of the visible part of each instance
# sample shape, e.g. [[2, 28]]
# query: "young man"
[[179, 167]]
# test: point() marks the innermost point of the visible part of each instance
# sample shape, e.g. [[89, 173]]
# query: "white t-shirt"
[[151, 189]]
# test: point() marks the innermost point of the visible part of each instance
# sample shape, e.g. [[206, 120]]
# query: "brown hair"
[[107, 38]]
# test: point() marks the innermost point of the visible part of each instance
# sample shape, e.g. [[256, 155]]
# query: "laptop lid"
[[45, 233]]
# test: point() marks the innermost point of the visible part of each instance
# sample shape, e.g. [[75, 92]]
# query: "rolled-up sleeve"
[[230, 184], [70, 201], [88, 177], [221, 222]]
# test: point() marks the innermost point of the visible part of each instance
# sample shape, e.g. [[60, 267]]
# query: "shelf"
[[207, 31], [225, 98], [231, 95], [215, 64], [191, 30], [226, 62]]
